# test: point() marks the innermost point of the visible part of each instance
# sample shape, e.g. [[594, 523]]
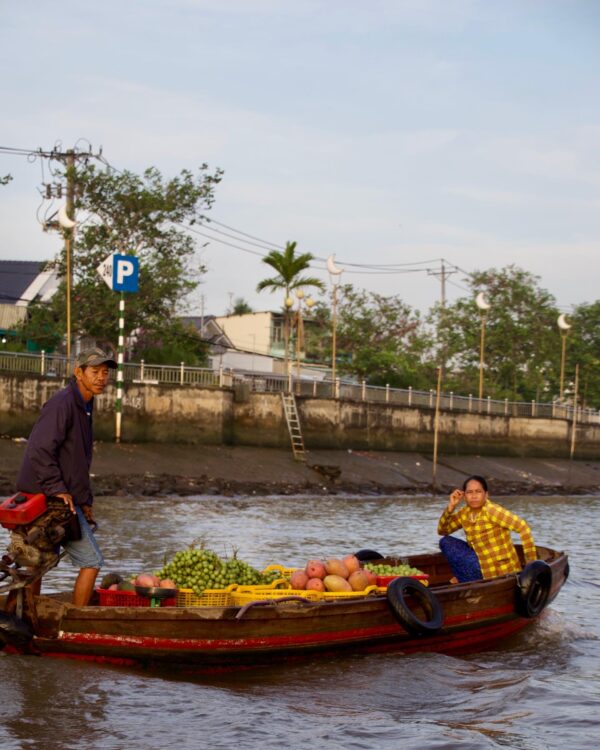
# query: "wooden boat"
[[447, 618]]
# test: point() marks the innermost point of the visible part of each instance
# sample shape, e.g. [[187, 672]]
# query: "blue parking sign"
[[126, 270]]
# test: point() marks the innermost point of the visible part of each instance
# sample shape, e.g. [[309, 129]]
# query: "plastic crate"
[[341, 595], [285, 572], [208, 598], [111, 598], [386, 580], [245, 594]]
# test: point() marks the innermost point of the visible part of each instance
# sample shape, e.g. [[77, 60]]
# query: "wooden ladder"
[[293, 422]]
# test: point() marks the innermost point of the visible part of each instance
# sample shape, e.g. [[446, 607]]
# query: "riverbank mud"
[[158, 469]]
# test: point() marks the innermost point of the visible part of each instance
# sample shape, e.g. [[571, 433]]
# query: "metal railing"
[[143, 373]]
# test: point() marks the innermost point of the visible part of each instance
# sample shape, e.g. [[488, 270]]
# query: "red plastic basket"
[[111, 598]]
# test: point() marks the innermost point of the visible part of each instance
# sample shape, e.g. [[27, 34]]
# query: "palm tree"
[[288, 266]]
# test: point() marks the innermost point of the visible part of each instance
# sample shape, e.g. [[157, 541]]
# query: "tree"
[[289, 268], [379, 339], [241, 307], [583, 348], [138, 215], [521, 355]]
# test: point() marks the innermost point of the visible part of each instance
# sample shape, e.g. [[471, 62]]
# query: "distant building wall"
[[170, 413]]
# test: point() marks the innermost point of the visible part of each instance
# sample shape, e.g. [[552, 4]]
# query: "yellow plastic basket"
[[337, 596], [285, 572], [245, 594], [209, 598]]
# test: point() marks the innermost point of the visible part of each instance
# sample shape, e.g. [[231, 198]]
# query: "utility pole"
[[442, 274], [54, 190], [68, 233]]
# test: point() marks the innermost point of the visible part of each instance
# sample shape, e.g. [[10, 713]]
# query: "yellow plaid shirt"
[[490, 537]]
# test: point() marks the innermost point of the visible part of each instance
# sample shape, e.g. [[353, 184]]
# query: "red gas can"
[[21, 508]]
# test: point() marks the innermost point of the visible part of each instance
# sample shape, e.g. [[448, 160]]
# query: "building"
[[21, 283]]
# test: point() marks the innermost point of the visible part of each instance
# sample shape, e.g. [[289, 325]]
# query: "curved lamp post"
[[335, 273], [68, 226], [563, 328], [483, 309]]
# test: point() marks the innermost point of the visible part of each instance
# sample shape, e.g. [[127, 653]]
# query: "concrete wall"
[[169, 413]]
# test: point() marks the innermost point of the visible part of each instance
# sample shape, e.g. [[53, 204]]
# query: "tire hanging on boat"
[[397, 592], [364, 555], [533, 588]]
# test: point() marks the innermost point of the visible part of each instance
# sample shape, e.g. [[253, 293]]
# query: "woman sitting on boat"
[[489, 550]]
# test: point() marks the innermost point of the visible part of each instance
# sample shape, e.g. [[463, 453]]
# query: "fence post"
[[489, 404], [181, 373], [505, 407], [314, 388], [364, 390], [430, 398], [221, 376], [410, 395], [553, 409], [142, 369], [337, 388], [387, 393], [533, 408], [470, 402], [451, 400], [43, 363]]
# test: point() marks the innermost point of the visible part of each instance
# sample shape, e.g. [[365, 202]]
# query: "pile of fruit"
[[198, 569], [333, 575], [393, 570]]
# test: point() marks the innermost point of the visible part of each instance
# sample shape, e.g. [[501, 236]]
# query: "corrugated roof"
[[16, 276]]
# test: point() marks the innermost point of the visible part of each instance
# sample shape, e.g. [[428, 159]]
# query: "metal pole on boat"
[[436, 428]]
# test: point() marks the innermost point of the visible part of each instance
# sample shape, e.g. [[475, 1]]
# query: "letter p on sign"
[[125, 273]]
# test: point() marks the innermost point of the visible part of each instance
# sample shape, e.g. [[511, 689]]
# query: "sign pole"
[[119, 402], [121, 274]]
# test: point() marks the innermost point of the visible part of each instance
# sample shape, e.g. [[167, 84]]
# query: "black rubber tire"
[[396, 596], [13, 631], [364, 555], [533, 588]]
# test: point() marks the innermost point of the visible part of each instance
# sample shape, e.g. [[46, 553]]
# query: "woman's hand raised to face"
[[455, 499]]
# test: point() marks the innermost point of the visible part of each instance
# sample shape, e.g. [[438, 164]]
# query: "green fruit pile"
[[200, 569], [393, 570]]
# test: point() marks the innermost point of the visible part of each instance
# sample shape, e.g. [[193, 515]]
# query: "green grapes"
[[393, 570], [199, 569]]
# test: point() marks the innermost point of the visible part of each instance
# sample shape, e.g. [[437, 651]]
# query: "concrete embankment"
[[193, 415], [161, 469]]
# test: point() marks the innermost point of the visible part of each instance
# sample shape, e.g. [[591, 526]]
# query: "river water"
[[538, 691]]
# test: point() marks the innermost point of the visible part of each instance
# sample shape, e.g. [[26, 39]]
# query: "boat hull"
[[475, 616]]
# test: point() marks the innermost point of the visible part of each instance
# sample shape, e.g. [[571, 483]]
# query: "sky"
[[381, 131]]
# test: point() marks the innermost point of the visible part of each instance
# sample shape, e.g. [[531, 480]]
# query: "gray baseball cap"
[[95, 357]]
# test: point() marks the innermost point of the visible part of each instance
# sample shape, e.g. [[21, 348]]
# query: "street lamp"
[[483, 308], [563, 328], [335, 274], [68, 226]]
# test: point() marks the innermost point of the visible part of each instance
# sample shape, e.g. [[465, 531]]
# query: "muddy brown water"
[[537, 691]]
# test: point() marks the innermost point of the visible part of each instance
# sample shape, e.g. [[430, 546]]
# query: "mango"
[[336, 584]]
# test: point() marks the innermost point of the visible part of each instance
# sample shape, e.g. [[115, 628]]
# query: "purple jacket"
[[59, 450]]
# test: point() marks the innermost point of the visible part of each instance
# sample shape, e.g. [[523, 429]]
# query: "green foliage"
[[379, 339], [521, 346], [176, 343], [135, 215], [241, 307], [583, 347], [289, 268]]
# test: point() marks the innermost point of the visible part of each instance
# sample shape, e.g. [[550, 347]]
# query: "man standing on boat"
[[59, 455]]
